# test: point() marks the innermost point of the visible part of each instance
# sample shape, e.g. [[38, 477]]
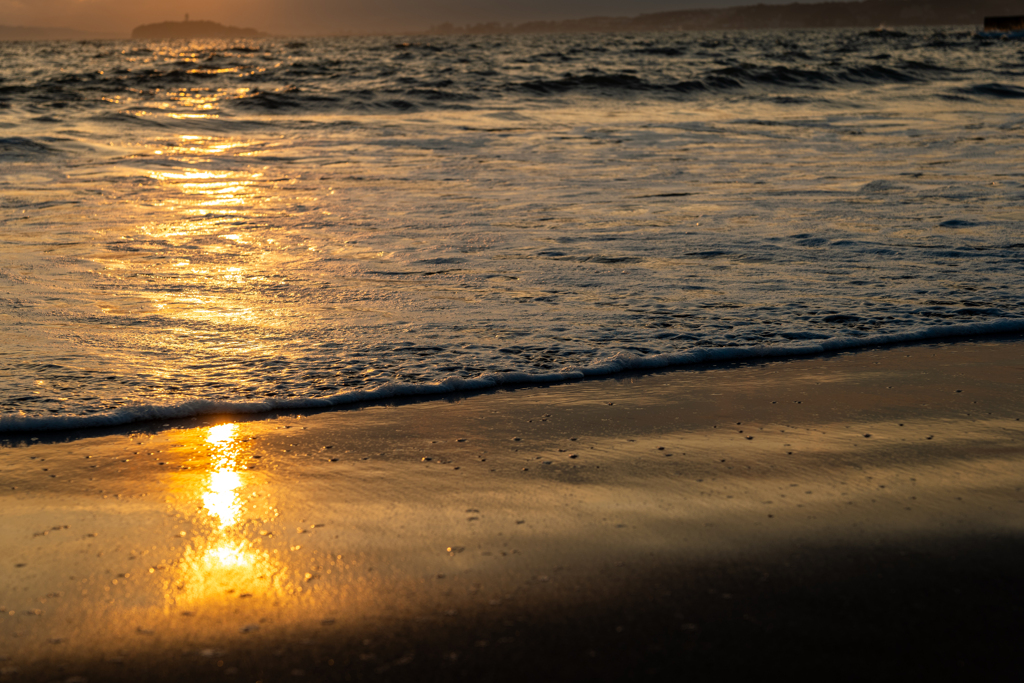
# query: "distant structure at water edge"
[[1003, 27], [187, 30], [1004, 23]]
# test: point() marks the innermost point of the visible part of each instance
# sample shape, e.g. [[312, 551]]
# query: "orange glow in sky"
[[117, 18]]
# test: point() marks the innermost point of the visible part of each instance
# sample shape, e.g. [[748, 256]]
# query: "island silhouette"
[[187, 30]]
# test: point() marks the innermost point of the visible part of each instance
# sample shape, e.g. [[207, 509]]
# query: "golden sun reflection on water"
[[202, 217], [205, 189], [196, 103], [225, 559]]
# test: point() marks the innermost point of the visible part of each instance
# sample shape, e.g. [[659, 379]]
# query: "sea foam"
[[621, 362]]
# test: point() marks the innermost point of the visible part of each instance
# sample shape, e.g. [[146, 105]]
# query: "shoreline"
[[856, 511], [620, 364]]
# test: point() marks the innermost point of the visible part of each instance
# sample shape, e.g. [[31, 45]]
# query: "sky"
[[318, 17]]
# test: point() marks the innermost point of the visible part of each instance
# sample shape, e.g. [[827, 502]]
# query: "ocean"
[[244, 226]]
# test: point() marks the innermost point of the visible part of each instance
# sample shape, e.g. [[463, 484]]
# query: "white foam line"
[[620, 362]]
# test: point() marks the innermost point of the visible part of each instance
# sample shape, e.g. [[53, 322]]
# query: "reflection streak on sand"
[[221, 560], [222, 496]]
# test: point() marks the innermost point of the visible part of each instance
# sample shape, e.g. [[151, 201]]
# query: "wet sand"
[[855, 515]]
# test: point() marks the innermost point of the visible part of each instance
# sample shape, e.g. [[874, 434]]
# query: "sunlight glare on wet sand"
[[221, 560], [221, 499]]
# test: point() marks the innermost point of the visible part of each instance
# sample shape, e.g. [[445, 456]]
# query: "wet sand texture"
[[843, 517]]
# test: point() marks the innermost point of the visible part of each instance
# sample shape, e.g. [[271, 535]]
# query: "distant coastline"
[[187, 30], [859, 13]]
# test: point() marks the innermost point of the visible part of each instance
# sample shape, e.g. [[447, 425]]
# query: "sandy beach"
[[854, 515], [661, 355]]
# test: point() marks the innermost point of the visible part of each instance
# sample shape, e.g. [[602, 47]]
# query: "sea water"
[[190, 228]]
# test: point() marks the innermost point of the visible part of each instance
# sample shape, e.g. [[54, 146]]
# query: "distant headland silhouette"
[[828, 14], [187, 30]]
